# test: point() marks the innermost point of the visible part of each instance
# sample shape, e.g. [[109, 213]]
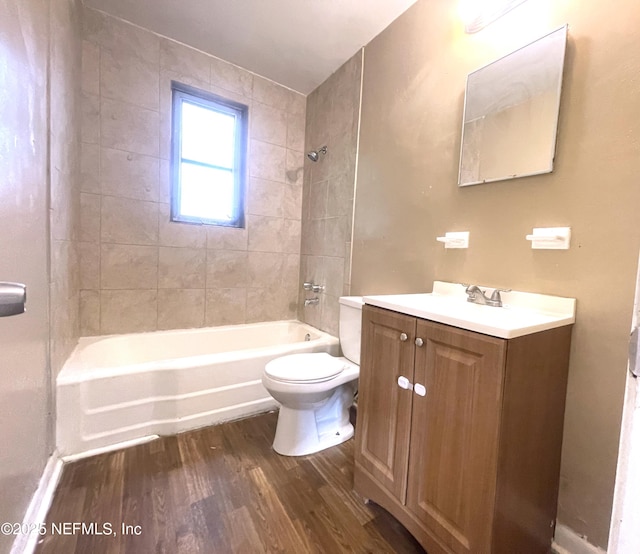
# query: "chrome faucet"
[[476, 295], [311, 301]]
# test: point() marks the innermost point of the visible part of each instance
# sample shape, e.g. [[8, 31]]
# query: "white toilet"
[[316, 390]]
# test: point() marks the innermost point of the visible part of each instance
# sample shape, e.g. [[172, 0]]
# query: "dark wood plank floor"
[[223, 490]]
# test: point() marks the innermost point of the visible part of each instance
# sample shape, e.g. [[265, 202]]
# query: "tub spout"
[[311, 301]]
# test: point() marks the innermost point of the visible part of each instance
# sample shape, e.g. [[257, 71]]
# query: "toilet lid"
[[299, 368]]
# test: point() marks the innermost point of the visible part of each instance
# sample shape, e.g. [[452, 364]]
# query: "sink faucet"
[[476, 295]]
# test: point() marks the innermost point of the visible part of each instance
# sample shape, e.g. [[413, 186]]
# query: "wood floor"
[[218, 490]]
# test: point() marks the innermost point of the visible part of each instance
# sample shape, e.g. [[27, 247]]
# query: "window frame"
[[208, 100]]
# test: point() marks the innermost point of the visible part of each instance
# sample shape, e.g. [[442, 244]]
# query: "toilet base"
[[305, 430]]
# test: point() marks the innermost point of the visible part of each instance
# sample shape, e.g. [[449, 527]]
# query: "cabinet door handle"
[[419, 342], [404, 383], [403, 337], [419, 389]]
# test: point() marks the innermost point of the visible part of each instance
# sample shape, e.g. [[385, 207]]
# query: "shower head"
[[314, 155]]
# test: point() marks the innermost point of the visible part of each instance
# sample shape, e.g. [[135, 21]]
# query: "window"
[[208, 158]]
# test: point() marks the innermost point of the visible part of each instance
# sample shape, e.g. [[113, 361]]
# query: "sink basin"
[[522, 313]]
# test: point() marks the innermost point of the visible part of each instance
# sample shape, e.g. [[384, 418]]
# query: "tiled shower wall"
[[329, 187], [64, 173], [139, 271]]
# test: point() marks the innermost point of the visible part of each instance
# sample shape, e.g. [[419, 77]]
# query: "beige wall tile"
[[185, 235], [90, 67], [90, 217], [90, 123], [335, 236], [128, 127], [181, 308], [139, 247], [265, 269], [231, 77], [89, 261], [294, 165], [267, 161], [295, 132], [226, 269], [129, 175], [266, 234], [333, 276], [312, 269], [269, 305], [340, 190], [120, 37], [330, 315], [318, 199], [273, 94], [226, 306], [128, 311], [89, 313], [265, 198], [164, 131], [268, 124], [128, 267], [227, 238], [291, 235], [164, 182], [184, 61], [297, 104], [129, 79], [90, 167], [181, 268], [313, 237], [320, 170], [292, 201], [127, 221], [64, 205], [291, 274]]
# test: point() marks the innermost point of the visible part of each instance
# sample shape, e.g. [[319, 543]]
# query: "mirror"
[[511, 113]]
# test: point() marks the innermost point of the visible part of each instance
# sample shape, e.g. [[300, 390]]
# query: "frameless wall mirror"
[[511, 113]]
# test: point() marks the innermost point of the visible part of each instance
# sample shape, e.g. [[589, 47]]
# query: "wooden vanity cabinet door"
[[454, 436], [384, 409]]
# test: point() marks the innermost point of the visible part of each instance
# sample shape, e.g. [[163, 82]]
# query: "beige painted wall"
[[414, 78], [139, 271], [39, 55], [327, 209]]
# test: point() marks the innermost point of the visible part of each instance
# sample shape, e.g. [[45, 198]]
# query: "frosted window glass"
[[207, 192], [207, 136]]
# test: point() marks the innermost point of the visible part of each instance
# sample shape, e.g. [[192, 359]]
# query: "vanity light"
[[477, 14]]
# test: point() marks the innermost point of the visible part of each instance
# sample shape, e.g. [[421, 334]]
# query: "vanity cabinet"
[[459, 433]]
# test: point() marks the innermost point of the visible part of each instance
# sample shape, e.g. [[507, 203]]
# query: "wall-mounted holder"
[[455, 240], [550, 238]]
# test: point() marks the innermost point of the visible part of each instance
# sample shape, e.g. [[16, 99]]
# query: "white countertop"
[[522, 313]]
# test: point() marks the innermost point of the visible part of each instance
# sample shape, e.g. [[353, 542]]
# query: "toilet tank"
[[351, 327]]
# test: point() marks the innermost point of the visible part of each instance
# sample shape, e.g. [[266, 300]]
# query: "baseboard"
[[39, 506], [567, 541]]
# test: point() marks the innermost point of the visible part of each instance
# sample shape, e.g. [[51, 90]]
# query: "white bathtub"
[[123, 389]]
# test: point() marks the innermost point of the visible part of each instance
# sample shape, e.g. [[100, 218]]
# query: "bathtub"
[[119, 390]]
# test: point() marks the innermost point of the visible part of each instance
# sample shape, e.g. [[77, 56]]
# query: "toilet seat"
[[305, 368]]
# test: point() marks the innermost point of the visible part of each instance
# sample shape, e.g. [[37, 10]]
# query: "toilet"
[[315, 390]]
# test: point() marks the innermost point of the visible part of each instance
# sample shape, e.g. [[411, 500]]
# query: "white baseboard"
[[567, 541], [39, 505]]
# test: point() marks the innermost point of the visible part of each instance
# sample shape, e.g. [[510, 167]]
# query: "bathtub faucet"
[[311, 301]]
